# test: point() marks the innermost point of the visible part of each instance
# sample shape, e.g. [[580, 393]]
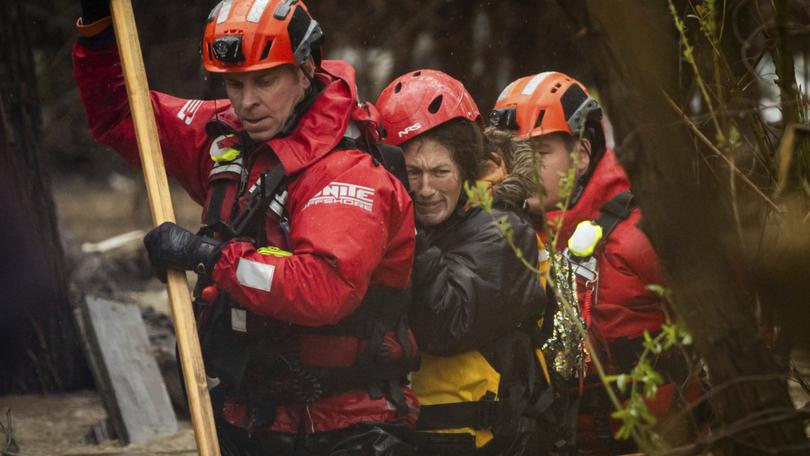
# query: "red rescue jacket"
[[351, 222], [626, 262], [623, 308]]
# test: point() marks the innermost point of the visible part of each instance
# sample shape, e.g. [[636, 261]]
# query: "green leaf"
[[622, 381]]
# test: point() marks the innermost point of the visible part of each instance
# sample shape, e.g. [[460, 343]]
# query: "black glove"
[[170, 246], [93, 10]]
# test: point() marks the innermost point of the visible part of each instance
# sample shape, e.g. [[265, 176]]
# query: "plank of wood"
[[128, 376]]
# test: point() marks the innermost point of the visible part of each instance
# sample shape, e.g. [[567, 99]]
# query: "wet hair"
[[464, 140], [521, 181]]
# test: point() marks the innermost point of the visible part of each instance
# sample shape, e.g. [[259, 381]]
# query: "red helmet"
[[420, 100], [250, 35], [545, 103]]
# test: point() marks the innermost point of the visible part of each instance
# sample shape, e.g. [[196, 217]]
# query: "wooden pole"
[[160, 204]]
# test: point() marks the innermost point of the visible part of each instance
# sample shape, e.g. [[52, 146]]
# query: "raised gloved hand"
[[171, 246], [93, 10]]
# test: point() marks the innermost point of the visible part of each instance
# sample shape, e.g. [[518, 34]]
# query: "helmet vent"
[[417, 74], [540, 119], [266, 50], [398, 87], [297, 28], [572, 99], [434, 106]]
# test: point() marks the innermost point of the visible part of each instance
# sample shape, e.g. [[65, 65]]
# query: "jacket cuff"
[[96, 35], [94, 28]]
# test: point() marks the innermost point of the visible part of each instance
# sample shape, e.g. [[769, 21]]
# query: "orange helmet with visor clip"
[[251, 35]]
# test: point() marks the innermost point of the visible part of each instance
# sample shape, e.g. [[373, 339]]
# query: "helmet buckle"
[[504, 118], [283, 9]]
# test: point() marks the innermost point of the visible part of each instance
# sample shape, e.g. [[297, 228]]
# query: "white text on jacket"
[[343, 193]]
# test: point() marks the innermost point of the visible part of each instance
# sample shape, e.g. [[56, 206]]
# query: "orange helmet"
[[250, 35], [545, 103], [420, 100]]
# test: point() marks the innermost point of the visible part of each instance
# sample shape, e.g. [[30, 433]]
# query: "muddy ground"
[[55, 425], [91, 212]]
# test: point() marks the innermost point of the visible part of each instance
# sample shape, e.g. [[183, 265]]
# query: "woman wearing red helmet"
[[600, 237], [307, 245], [475, 305]]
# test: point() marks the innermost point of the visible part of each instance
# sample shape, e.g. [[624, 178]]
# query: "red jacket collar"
[[320, 130], [608, 179]]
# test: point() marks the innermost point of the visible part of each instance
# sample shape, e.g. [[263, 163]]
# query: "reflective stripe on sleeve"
[[256, 275]]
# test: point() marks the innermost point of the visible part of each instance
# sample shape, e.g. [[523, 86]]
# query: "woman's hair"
[[521, 181], [464, 140]]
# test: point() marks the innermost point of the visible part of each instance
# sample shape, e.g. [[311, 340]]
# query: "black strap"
[[251, 219], [614, 211], [476, 415], [383, 305], [391, 157], [393, 160], [214, 210]]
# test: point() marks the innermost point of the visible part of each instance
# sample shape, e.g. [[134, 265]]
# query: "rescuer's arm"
[[339, 233], [181, 123]]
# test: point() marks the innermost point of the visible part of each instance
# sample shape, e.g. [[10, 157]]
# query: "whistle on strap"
[[581, 246], [586, 237]]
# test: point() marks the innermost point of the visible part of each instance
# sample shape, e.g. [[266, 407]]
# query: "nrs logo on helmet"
[[415, 127]]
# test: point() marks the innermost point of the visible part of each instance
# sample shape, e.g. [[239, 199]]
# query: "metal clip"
[[283, 9]]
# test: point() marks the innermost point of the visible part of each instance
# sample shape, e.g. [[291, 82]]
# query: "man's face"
[[434, 178], [264, 100], [554, 160]]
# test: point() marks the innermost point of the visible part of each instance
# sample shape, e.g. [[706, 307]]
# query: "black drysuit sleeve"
[[470, 288]]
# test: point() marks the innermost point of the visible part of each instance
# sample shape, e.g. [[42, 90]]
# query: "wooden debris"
[[127, 376]]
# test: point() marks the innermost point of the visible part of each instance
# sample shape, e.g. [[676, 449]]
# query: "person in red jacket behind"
[[613, 259], [307, 243]]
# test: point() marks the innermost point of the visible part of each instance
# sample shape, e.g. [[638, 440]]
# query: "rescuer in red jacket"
[[560, 120], [307, 241]]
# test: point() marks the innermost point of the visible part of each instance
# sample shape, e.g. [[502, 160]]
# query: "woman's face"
[[435, 180]]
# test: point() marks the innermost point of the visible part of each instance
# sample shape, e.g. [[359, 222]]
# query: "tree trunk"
[[39, 348], [635, 45]]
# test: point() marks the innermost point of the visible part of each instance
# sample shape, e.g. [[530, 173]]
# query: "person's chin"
[[432, 218], [261, 134], [261, 131]]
